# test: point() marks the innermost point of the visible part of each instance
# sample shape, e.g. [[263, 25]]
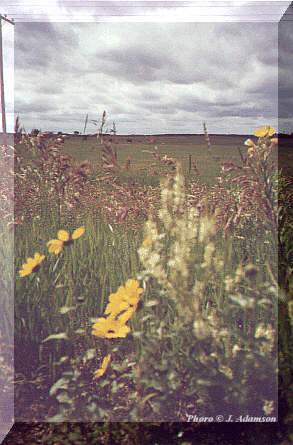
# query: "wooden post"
[[189, 167], [2, 82], [2, 77]]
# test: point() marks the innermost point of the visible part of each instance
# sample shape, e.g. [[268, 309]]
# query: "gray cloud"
[[42, 44], [151, 77]]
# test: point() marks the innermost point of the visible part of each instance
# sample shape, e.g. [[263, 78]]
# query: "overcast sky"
[[154, 70]]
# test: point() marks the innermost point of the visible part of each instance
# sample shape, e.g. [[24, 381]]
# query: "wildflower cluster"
[[264, 134], [33, 264], [122, 305], [55, 245], [255, 183]]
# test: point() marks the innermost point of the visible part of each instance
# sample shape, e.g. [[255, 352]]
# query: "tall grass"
[[204, 333], [86, 271]]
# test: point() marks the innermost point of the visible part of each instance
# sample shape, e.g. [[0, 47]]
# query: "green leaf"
[[204, 382], [148, 397], [243, 301], [92, 407], [62, 360], [60, 384], [63, 398], [102, 412], [59, 418], [90, 354], [151, 303], [61, 335], [65, 309]]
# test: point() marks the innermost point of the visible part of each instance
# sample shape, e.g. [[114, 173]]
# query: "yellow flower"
[[125, 298], [125, 316], [32, 265], [264, 131], [251, 151], [110, 328], [132, 289], [55, 245], [118, 302], [116, 306], [274, 141], [102, 370]]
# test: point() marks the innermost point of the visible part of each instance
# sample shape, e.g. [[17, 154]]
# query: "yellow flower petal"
[[115, 307], [123, 318], [78, 232], [30, 260], [106, 361], [118, 296], [132, 287], [274, 141], [110, 328], [99, 372], [125, 297], [271, 131], [39, 257], [264, 131], [55, 246], [24, 272], [63, 235], [120, 332]]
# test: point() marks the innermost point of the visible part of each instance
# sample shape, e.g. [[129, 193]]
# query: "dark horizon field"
[[163, 141]]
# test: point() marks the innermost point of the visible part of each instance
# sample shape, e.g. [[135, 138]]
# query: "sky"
[[154, 68]]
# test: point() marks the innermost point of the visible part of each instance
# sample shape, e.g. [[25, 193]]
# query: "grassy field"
[[203, 255], [179, 147]]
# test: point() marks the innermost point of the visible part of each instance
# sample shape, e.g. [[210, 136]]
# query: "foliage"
[[207, 266], [202, 356]]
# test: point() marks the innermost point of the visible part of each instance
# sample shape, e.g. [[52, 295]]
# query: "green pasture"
[[189, 150], [209, 166]]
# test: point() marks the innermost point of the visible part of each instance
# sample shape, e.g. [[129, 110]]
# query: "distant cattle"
[[129, 140]]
